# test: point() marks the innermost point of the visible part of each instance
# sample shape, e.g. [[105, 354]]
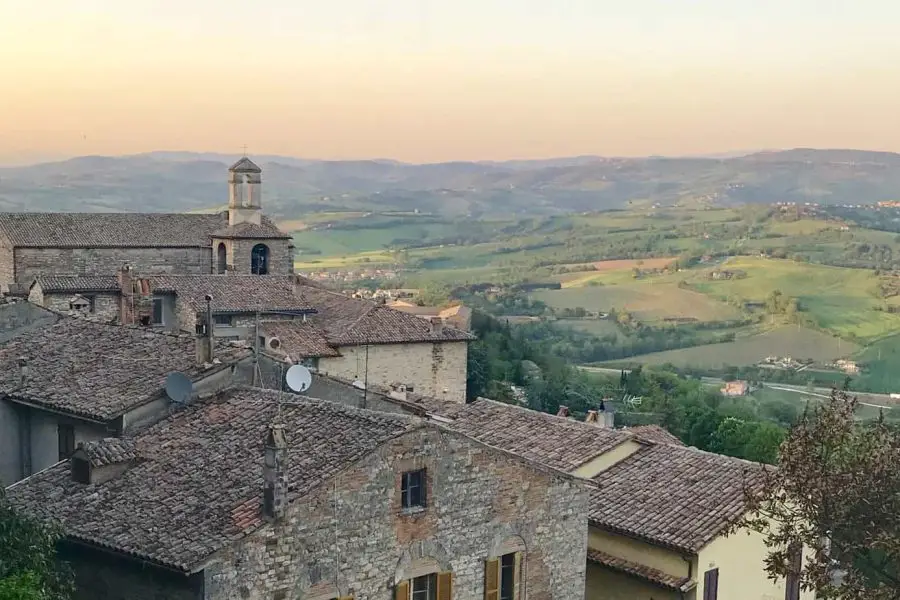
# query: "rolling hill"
[[181, 181]]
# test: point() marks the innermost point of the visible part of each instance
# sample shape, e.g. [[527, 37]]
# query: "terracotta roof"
[[671, 495], [660, 578], [197, 483], [110, 230], [299, 339], [557, 442], [351, 322], [654, 434], [77, 283], [265, 230], [97, 371], [108, 451], [234, 293]]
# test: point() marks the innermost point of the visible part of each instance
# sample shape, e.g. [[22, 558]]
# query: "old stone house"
[[657, 518], [65, 380], [246, 496], [240, 241]]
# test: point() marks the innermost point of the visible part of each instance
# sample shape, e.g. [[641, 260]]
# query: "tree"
[[836, 491], [28, 566]]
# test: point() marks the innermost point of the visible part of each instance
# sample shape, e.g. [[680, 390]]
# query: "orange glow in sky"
[[422, 80]]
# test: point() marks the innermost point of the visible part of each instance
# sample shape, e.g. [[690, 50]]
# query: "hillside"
[[180, 181]]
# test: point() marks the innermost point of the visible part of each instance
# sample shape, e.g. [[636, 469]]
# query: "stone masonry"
[[350, 536], [432, 367]]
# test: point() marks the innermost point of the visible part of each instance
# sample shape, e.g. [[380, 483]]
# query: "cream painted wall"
[[739, 558], [661, 559], [605, 584], [437, 370]]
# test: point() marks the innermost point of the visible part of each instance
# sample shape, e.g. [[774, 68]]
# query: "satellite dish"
[[178, 387], [298, 378]]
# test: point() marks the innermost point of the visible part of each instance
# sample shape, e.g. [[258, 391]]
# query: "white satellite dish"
[[178, 387], [298, 378]]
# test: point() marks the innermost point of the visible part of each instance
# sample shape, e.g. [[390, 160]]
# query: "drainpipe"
[[690, 564]]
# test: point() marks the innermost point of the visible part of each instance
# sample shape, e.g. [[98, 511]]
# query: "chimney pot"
[[437, 324], [275, 473]]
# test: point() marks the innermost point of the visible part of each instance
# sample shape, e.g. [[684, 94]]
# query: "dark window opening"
[[711, 585], [508, 577], [81, 470], [157, 316], [221, 259], [259, 260], [66, 440], [425, 587], [222, 319], [412, 489]]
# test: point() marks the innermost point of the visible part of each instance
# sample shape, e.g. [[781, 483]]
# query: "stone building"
[[241, 240], [658, 516], [65, 380], [243, 496]]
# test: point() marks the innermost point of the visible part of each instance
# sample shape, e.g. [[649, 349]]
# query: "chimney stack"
[[126, 295], [275, 483], [23, 370], [563, 411], [437, 325], [205, 338], [591, 417]]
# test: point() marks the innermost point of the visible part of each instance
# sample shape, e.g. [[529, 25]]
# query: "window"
[[792, 591], [221, 259], [503, 577], [259, 260], [711, 585], [65, 440], [156, 317], [222, 320], [412, 489], [434, 586]]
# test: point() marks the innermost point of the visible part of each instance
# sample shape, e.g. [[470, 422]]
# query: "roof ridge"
[[552, 416]]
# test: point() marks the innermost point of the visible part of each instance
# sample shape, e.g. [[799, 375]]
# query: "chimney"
[[563, 411], [591, 417], [437, 325], [398, 392], [275, 474], [23, 370], [205, 338], [126, 296]]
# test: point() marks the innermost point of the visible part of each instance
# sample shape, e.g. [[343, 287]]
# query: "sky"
[[437, 80]]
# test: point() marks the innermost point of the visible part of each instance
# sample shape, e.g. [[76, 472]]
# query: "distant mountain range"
[[185, 181]]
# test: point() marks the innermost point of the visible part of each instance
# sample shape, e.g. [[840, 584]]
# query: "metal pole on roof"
[[256, 354], [366, 377]]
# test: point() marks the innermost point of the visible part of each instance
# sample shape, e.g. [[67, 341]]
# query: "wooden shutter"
[[517, 576], [444, 586], [492, 579], [401, 591], [711, 585]]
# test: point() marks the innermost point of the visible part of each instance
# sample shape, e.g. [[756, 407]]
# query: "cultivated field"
[[647, 301], [783, 341], [838, 299]]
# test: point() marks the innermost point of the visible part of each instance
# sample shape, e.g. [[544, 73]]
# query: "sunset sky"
[[430, 80]]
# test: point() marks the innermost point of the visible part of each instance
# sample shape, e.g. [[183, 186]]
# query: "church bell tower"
[[244, 193]]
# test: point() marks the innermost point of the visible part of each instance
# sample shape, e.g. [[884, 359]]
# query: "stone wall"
[[104, 575], [435, 370], [7, 263], [31, 262], [350, 537], [281, 255], [106, 306]]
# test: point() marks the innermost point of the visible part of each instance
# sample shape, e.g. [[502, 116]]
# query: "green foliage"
[[28, 565]]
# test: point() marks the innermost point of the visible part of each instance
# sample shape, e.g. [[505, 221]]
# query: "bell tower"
[[244, 193]]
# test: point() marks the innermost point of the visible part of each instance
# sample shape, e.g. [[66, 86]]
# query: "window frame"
[[430, 591], [154, 303], [420, 485], [494, 586], [711, 584], [65, 440]]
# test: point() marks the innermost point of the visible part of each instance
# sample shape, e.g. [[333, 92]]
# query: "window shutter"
[[517, 577], [492, 579], [444, 586], [401, 591], [711, 585]]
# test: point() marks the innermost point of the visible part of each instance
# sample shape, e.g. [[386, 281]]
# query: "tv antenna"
[[298, 378], [178, 387]]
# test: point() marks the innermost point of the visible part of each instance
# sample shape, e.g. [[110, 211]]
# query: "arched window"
[[259, 260], [221, 259]]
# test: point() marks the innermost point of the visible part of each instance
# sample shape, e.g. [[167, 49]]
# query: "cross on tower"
[[244, 147]]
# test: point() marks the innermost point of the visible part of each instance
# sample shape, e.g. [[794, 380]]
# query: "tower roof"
[[245, 165]]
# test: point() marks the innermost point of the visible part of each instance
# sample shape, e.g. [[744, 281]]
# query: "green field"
[[783, 341], [838, 299], [598, 327], [646, 300]]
